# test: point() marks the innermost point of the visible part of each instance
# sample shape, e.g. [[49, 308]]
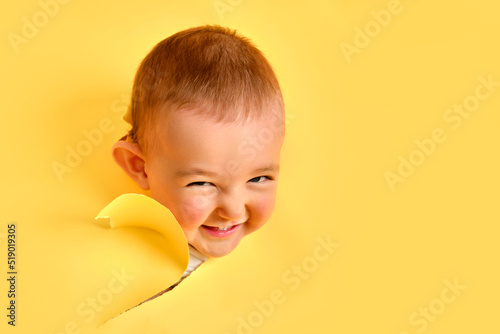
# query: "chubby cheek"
[[262, 209], [192, 212]]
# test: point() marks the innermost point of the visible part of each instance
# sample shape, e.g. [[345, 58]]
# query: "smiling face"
[[218, 179]]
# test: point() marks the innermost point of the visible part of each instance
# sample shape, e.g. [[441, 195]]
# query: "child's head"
[[207, 121]]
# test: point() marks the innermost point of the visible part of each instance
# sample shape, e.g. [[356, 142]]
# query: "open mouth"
[[219, 232]]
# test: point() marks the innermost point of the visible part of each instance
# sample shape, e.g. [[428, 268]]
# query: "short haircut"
[[211, 70]]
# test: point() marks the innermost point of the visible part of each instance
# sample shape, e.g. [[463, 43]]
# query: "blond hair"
[[210, 69]]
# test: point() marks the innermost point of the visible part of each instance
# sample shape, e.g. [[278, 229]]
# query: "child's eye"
[[259, 179], [199, 183]]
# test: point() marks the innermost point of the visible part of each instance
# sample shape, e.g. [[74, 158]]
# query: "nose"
[[232, 207]]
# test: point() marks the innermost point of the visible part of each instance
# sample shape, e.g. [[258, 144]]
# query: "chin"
[[218, 253], [214, 251]]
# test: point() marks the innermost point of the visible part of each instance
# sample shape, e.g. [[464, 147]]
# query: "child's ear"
[[130, 158]]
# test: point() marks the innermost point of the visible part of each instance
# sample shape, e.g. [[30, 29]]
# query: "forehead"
[[188, 139]]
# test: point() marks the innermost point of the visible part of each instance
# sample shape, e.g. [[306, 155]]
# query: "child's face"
[[219, 180]]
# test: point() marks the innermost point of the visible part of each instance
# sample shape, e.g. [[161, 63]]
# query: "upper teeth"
[[223, 228]]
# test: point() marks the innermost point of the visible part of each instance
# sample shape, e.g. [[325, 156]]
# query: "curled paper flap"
[[153, 268], [136, 210]]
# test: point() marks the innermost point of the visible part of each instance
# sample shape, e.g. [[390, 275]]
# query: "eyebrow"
[[202, 172]]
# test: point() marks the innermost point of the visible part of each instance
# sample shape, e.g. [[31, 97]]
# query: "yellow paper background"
[[348, 124]]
